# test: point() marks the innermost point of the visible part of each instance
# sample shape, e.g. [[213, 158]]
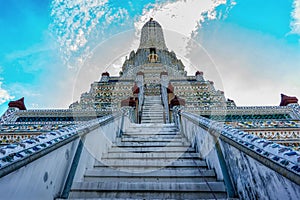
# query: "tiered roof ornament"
[[286, 100], [17, 104]]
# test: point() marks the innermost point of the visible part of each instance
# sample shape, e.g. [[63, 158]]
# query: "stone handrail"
[[164, 96], [13, 154], [141, 98], [282, 159]]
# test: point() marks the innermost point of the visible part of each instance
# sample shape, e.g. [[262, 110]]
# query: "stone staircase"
[[152, 110], [150, 161]]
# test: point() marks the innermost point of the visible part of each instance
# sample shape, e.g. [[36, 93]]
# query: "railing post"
[[227, 180], [177, 116], [119, 134], [164, 95], [140, 84], [71, 175], [130, 113]]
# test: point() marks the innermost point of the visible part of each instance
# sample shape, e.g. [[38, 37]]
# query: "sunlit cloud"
[[295, 24], [4, 94], [77, 23], [182, 20], [182, 16]]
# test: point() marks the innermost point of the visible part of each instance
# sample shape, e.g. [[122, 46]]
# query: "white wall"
[[253, 180], [42, 179]]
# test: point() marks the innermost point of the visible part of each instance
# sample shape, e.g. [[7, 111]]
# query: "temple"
[[153, 132]]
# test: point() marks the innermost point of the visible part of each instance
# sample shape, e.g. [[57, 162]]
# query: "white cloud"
[[182, 19], [25, 90], [295, 24], [254, 67], [4, 94], [182, 16], [75, 23]]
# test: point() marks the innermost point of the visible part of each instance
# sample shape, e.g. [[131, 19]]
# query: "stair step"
[[150, 108], [151, 144], [153, 103], [147, 147], [142, 179], [170, 125], [152, 155], [157, 162], [148, 190], [149, 115], [154, 134], [152, 114], [144, 137], [153, 108], [152, 121], [151, 149], [148, 131], [164, 174], [152, 117], [179, 163], [149, 134], [151, 139], [170, 163], [77, 195], [151, 128], [131, 198], [147, 127], [150, 186]]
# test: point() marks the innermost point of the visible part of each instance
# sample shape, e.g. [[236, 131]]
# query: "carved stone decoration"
[[105, 77], [199, 76], [17, 104], [8, 115]]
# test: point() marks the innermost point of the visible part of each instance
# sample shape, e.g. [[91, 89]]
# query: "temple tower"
[[152, 36]]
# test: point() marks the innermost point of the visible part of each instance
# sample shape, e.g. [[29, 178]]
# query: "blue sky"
[[255, 45]]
